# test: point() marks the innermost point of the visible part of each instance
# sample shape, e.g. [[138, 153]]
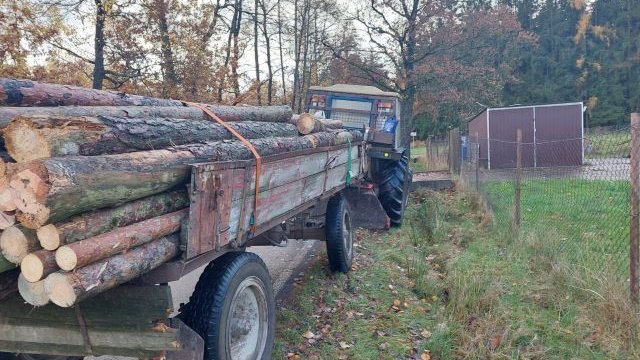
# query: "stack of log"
[[93, 185]]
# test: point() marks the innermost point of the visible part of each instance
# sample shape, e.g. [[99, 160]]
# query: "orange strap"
[[249, 145]]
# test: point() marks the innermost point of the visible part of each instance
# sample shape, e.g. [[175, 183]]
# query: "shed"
[[552, 135]]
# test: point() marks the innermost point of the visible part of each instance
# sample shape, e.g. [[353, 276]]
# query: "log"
[[15, 92], [281, 114], [309, 124], [67, 289], [8, 283], [34, 138], [17, 241], [97, 222], [37, 265], [77, 184], [7, 219], [32, 292], [85, 252]]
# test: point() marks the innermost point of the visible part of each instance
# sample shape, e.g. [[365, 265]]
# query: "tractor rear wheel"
[[393, 188]]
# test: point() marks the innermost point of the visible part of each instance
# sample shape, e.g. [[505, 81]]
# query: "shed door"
[[559, 135], [503, 126]]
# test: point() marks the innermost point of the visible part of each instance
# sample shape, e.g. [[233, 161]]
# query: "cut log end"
[[7, 199], [36, 217], [49, 237], [33, 293], [66, 258], [306, 123], [7, 219], [25, 144], [14, 244], [32, 268], [60, 290]]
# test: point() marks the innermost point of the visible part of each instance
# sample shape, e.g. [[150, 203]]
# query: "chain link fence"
[[576, 190]]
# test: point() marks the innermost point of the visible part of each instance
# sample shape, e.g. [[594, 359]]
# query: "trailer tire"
[[233, 308], [339, 235], [393, 188]]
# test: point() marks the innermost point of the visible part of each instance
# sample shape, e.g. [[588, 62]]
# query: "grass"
[[610, 144], [448, 285], [589, 217], [422, 162]]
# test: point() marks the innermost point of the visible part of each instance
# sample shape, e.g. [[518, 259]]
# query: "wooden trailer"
[[231, 313]]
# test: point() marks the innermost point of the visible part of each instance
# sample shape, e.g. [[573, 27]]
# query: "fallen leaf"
[[383, 346], [390, 287], [494, 342], [344, 345], [312, 341], [308, 335], [396, 302], [425, 355], [425, 334], [160, 327]]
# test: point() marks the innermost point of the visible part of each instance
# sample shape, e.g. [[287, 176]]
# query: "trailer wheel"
[[393, 186], [338, 233], [233, 308]]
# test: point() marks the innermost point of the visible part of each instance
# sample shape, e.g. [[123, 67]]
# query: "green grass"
[[421, 162], [611, 144], [465, 289], [589, 217]]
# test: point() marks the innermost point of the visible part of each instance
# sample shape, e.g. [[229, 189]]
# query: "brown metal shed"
[[551, 135]]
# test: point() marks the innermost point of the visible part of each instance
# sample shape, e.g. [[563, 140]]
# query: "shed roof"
[[355, 89]]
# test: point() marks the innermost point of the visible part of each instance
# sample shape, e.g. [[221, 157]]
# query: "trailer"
[[312, 194]]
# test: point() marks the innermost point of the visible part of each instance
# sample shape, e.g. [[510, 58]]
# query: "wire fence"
[[576, 190]]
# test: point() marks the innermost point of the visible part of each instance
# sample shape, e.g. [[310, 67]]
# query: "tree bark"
[[309, 124], [37, 265], [98, 222], [16, 242], [8, 283], [32, 293], [67, 289], [267, 40], [99, 72], [34, 138], [82, 253], [77, 184], [31, 93], [226, 113], [168, 65]]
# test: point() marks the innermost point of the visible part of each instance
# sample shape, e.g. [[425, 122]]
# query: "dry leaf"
[[160, 327], [494, 342], [425, 334], [308, 335], [396, 303], [383, 346], [425, 355], [344, 345]]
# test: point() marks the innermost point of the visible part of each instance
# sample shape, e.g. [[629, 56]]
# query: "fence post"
[[477, 159], [516, 215], [635, 184]]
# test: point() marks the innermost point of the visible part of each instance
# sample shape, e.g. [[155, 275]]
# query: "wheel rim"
[[347, 239], [247, 323]]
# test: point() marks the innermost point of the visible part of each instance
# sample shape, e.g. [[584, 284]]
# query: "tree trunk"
[[226, 113], [284, 83], [98, 222], [168, 65], [255, 49], [99, 42], [37, 265], [268, 48], [77, 184], [32, 293], [16, 242], [8, 283], [296, 56], [67, 289], [308, 124], [30, 93], [34, 138], [82, 253]]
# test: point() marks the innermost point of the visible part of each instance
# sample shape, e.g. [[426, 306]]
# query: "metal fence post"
[[516, 215], [477, 159], [635, 184]]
